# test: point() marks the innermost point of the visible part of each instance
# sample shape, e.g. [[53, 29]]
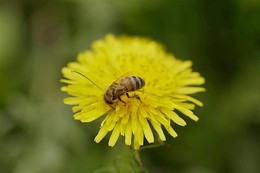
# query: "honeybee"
[[123, 86]]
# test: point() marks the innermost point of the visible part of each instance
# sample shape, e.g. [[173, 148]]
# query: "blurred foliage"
[[37, 38]]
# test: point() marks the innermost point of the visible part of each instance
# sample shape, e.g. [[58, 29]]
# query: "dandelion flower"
[[150, 111]]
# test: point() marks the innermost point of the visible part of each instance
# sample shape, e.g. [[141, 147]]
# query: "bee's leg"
[[134, 96], [112, 107], [121, 100]]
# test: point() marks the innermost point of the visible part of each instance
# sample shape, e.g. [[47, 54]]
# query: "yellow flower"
[[168, 84]]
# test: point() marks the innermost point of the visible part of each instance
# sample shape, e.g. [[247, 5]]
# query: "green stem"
[[138, 158]]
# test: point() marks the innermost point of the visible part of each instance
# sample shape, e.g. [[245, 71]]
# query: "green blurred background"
[[37, 38]]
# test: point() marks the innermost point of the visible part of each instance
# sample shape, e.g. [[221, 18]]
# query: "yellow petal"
[[190, 90], [171, 131], [192, 81], [136, 143], [157, 127], [159, 117], [187, 112], [89, 116], [140, 134], [128, 134], [125, 119], [173, 116], [101, 134], [114, 136], [148, 132]]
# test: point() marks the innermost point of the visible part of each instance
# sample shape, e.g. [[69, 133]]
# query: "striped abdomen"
[[132, 83], [122, 86]]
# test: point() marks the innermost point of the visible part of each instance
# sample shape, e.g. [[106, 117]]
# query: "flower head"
[[139, 113]]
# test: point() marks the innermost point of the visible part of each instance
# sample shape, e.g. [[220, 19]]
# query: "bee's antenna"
[[88, 79]]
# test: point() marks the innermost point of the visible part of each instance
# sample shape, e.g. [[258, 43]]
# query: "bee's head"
[[108, 96]]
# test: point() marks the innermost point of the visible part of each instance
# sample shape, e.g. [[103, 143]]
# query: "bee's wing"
[[123, 76]]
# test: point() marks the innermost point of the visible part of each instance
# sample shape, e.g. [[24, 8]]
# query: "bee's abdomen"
[[134, 83]]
